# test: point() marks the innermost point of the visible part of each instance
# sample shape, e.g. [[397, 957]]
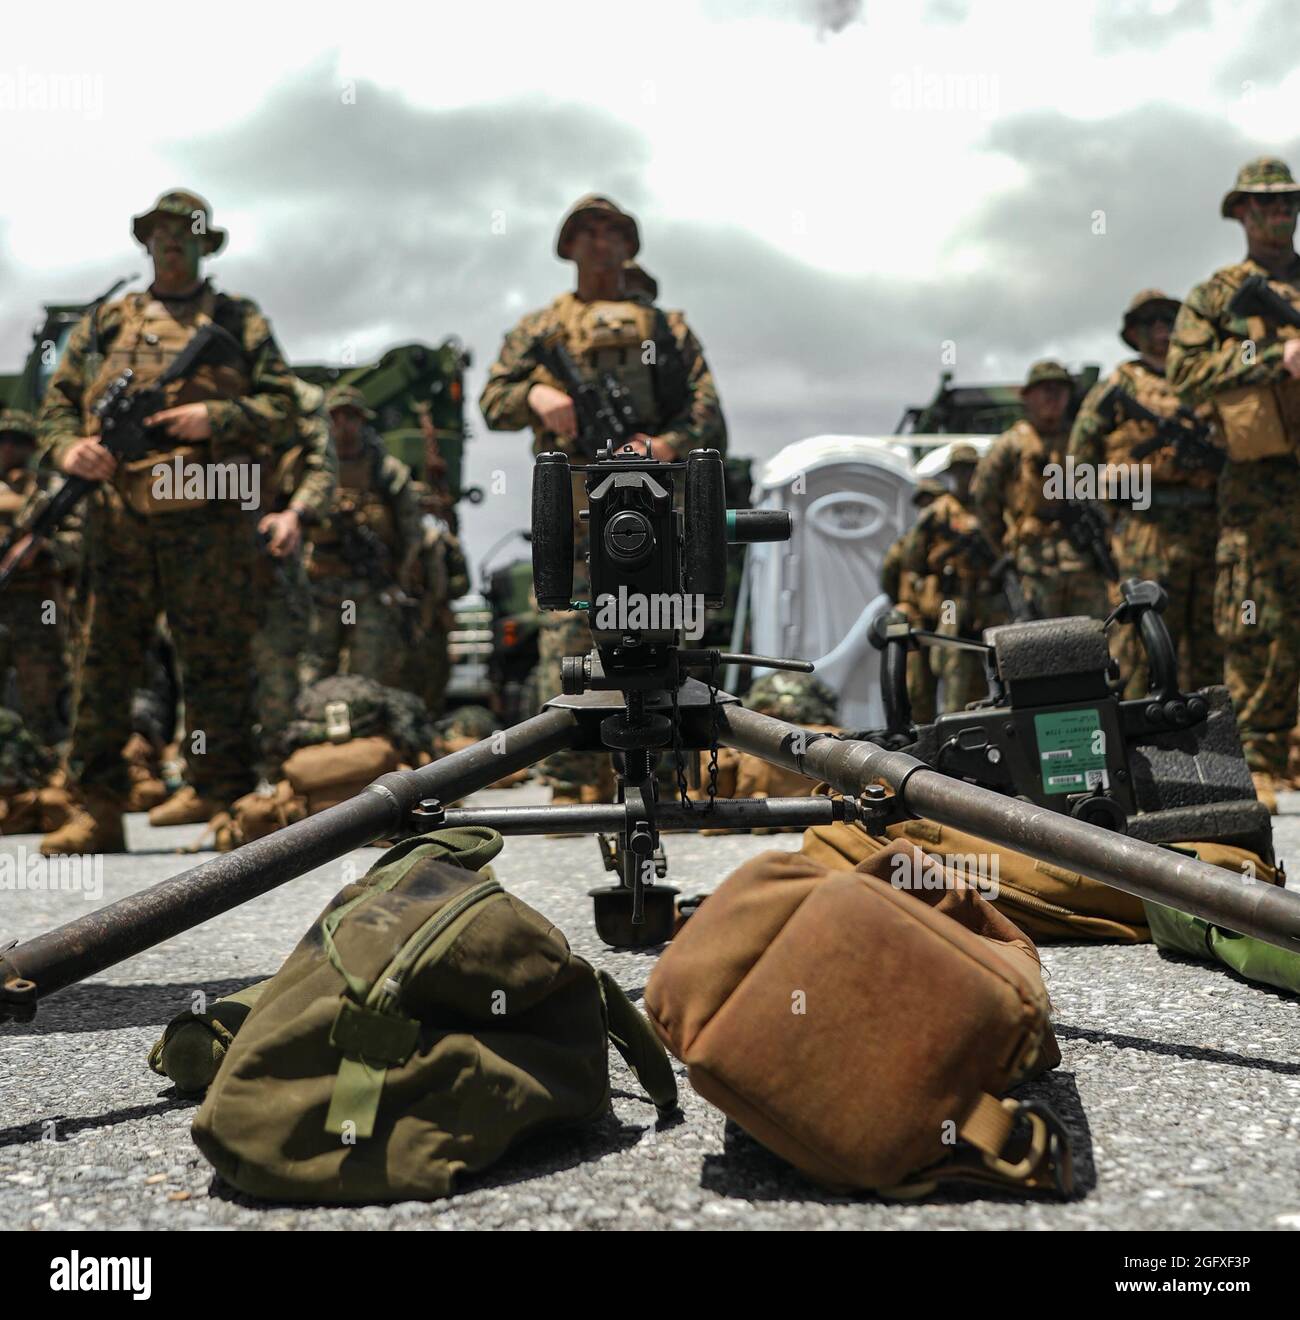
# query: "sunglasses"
[[1155, 318]]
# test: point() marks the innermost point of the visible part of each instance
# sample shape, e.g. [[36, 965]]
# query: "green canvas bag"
[[425, 1023], [191, 1049], [1183, 933]]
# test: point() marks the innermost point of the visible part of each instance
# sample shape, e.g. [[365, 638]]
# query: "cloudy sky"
[[831, 190]]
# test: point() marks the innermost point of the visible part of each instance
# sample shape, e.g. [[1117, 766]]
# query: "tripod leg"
[[83, 947]]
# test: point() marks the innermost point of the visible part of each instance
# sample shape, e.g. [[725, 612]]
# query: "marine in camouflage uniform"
[[657, 359], [1172, 541], [1016, 513], [896, 583], [193, 559], [438, 577], [34, 608], [359, 596], [950, 590], [1247, 368], [300, 497]]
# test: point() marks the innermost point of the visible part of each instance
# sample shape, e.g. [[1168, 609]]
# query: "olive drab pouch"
[[192, 1047], [426, 1023], [1180, 932], [864, 1031]]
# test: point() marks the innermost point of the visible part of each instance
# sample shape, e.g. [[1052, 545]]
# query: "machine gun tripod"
[[623, 697]]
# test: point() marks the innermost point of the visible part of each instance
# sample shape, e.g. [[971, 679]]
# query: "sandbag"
[[864, 1030]]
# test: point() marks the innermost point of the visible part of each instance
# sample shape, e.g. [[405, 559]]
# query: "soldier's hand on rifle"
[[187, 421], [1291, 356], [88, 459], [554, 409], [283, 532], [663, 450]]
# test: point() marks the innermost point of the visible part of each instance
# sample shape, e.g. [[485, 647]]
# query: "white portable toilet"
[[813, 597]]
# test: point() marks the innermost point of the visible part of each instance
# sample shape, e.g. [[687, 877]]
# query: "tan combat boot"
[[1265, 789], [94, 825], [185, 807]]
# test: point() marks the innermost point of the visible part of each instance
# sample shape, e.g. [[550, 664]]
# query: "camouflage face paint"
[[1272, 219]]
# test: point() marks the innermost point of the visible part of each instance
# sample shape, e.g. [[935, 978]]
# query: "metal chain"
[[678, 758], [713, 727]]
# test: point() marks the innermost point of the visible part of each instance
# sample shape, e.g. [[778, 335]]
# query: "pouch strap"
[[989, 1131], [640, 1047]]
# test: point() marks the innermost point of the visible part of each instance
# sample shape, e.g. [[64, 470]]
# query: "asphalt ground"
[[1180, 1083]]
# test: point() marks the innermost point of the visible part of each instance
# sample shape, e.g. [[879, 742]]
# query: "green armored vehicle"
[[979, 409]]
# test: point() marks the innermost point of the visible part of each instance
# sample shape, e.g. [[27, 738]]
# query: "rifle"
[[603, 406], [365, 551], [999, 569], [1257, 297], [122, 432], [1087, 532], [1187, 433]]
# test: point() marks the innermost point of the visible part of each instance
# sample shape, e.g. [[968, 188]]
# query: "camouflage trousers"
[[1062, 594], [278, 647], [34, 633], [348, 615], [196, 567], [430, 668], [1257, 603], [1175, 547], [564, 633]]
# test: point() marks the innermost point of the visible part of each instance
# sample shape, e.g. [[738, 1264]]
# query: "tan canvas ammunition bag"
[[1047, 902], [862, 1031]]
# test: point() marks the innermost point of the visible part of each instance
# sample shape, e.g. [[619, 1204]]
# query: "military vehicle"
[[978, 409]]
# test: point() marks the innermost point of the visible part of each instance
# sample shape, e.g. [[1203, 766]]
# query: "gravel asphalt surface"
[[1180, 1083]]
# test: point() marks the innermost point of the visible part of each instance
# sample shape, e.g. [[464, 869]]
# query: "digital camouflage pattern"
[[439, 575], [1258, 551], [250, 424], [1173, 541], [356, 707], [349, 611], [947, 587], [698, 423], [1265, 174], [25, 762], [197, 566], [1007, 495], [304, 479], [188, 206], [36, 607], [799, 698]]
